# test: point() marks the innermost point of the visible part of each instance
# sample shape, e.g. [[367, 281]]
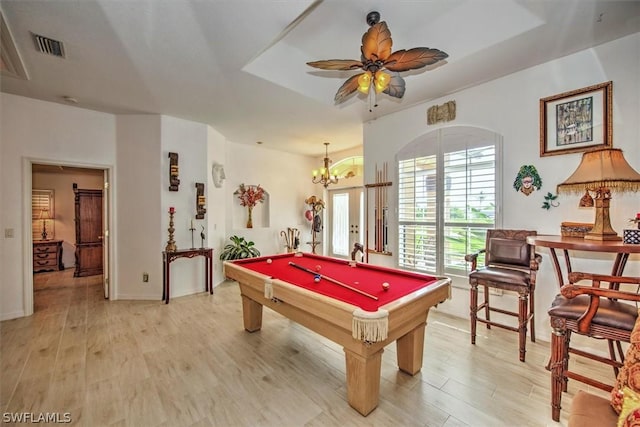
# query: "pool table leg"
[[409, 348], [251, 314], [363, 380]]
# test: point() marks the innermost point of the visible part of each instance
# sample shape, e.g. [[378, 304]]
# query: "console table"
[[169, 257]]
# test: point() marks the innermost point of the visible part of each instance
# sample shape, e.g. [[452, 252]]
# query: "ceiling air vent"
[[49, 46]]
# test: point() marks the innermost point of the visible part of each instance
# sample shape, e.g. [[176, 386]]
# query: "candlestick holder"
[[193, 246], [171, 244]]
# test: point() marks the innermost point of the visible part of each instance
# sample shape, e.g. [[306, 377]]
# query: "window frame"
[[41, 199], [438, 143]]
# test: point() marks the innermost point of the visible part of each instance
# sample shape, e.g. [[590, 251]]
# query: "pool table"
[[346, 302]]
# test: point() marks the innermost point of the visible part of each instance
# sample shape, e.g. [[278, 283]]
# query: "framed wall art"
[[576, 121]]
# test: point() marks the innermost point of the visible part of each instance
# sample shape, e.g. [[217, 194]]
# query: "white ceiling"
[[240, 65]]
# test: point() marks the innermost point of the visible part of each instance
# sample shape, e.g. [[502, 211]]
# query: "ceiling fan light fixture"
[[377, 60], [382, 81], [364, 82]]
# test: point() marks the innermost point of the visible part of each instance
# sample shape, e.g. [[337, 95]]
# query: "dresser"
[[47, 255]]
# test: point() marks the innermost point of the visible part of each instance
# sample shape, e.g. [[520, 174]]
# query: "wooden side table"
[[554, 243], [47, 255], [169, 257]]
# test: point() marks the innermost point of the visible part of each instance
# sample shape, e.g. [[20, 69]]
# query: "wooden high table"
[[168, 257], [554, 243]]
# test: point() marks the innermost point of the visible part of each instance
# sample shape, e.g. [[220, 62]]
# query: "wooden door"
[[88, 204]]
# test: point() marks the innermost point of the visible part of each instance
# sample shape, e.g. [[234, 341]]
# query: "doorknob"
[[99, 237]]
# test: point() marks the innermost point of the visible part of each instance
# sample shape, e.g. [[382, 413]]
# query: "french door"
[[346, 221]]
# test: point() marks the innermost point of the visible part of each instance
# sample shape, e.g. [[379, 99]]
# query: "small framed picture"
[[576, 121]]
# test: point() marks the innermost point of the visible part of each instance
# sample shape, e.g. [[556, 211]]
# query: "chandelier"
[[323, 176]]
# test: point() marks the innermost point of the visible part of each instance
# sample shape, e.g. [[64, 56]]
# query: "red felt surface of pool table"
[[365, 277]]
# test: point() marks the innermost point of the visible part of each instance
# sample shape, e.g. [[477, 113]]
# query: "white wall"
[[144, 144], [34, 131], [509, 107], [190, 141], [285, 177], [216, 200], [138, 210], [136, 148]]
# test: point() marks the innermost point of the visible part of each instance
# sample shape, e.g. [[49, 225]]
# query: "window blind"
[[447, 199], [41, 199]]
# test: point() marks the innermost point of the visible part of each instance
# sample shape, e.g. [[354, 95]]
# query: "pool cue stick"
[[379, 248], [344, 285], [385, 208], [377, 210]]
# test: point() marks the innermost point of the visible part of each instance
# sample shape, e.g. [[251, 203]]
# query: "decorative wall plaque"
[[200, 201], [441, 113], [174, 182]]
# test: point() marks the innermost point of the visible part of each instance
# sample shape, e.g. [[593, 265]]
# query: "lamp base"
[[602, 236], [602, 227]]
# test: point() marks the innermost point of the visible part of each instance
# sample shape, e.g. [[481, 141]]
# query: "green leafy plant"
[[239, 249]]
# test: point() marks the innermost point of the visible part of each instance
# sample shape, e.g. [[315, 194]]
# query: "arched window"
[[349, 167], [448, 197]]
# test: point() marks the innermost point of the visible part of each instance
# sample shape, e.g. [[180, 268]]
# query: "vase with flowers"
[[250, 196]]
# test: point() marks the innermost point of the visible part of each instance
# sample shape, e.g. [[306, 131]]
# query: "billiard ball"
[[385, 286], [318, 267], [316, 278], [269, 261]]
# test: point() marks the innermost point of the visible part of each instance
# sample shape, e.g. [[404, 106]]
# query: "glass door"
[[346, 221]]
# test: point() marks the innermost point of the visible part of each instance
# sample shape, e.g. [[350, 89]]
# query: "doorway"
[[60, 178], [346, 220]]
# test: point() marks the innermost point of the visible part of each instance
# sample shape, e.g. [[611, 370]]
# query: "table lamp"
[[600, 171], [44, 216]]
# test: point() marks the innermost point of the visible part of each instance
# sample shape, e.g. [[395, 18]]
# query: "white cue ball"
[[269, 261], [385, 286]]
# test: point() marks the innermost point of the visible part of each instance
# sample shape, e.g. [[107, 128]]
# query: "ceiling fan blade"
[[418, 57], [396, 86], [376, 42], [347, 88], [336, 64]]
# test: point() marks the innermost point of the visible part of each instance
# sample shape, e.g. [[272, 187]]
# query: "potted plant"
[[238, 249]]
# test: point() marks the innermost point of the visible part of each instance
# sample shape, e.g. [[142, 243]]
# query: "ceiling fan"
[[381, 66]]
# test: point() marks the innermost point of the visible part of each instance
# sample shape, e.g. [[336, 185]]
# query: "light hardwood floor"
[[190, 363]]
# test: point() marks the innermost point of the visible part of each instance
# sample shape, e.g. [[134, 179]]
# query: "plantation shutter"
[[447, 199], [469, 203], [41, 199]]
